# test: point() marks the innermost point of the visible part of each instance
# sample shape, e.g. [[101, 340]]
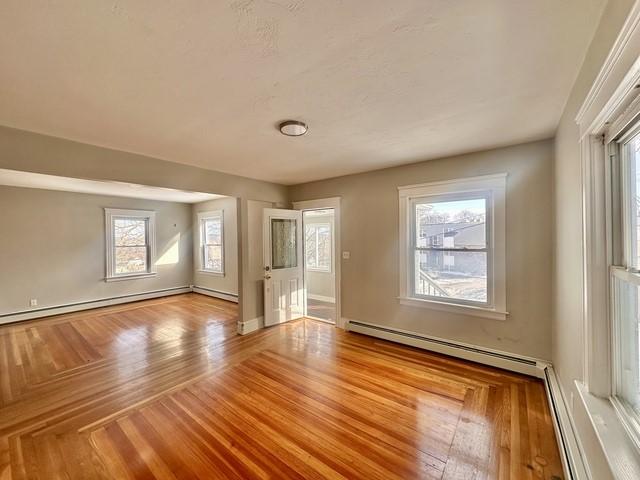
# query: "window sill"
[[318, 270], [209, 272], [454, 308], [620, 451], [130, 277]]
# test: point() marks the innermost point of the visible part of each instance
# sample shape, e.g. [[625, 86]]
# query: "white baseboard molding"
[[89, 304], [571, 451], [216, 293], [321, 298], [250, 325], [495, 358]]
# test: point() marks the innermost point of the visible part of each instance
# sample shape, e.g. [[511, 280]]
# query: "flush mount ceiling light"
[[293, 128]]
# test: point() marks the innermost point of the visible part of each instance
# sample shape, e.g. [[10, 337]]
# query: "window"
[[452, 245], [212, 242], [625, 291], [318, 244], [130, 242]]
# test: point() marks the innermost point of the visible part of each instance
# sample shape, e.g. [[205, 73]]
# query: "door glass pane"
[[626, 308], [283, 243], [456, 275]]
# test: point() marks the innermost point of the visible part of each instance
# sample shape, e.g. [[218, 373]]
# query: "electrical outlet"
[[33, 302], [346, 255]]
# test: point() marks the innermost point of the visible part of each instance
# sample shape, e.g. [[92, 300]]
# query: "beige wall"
[[229, 282], [370, 232], [52, 247], [568, 334], [32, 152], [252, 258]]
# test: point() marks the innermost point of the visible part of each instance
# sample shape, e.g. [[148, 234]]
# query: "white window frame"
[[610, 106], [114, 213], [202, 218], [316, 268], [493, 188], [619, 255]]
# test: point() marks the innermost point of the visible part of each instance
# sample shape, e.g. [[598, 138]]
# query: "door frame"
[[268, 271], [320, 204]]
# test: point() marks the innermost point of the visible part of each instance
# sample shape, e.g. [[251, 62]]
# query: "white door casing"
[[283, 279]]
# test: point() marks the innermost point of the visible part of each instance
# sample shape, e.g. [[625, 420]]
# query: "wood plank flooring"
[[165, 389]]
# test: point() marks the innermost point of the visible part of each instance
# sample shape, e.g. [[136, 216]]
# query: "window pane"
[[455, 275], [452, 224], [632, 200], [324, 247], [627, 306], [311, 246], [213, 258], [213, 231], [131, 260], [130, 231], [283, 243]]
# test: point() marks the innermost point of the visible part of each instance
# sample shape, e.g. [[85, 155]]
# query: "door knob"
[[267, 277]]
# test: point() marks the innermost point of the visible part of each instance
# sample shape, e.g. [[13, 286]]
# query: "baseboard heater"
[[553, 403], [573, 461], [232, 297], [529, 366], [88, 304]]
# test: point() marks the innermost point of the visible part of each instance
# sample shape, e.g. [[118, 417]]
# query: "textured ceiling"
[[379, 82]]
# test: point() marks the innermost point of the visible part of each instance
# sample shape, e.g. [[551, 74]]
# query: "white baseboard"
[[495, 358], [86, 305], [216, 293], [250, 325], [321, 298], [571, 451]]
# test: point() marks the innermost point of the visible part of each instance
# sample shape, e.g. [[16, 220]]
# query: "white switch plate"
[[33, 302], [346, 255]]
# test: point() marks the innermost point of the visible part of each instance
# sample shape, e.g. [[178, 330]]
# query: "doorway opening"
[[320, 264]]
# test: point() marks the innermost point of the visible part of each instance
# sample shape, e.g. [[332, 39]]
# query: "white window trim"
[[202, 216], [496, 277], [320, 269], [607, 109], [109, 215]]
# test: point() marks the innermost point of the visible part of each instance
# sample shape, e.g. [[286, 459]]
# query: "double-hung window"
[[211, 234], [625, 281], [452, 245], [318, 243], [130, 243]]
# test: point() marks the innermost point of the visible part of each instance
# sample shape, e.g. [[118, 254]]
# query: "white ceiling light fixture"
[[293, 128]]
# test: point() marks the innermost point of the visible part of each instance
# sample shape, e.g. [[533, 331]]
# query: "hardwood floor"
[[165, 389]]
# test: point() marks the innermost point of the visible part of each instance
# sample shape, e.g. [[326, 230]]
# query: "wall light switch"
[[346, 255], [33, 302]]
